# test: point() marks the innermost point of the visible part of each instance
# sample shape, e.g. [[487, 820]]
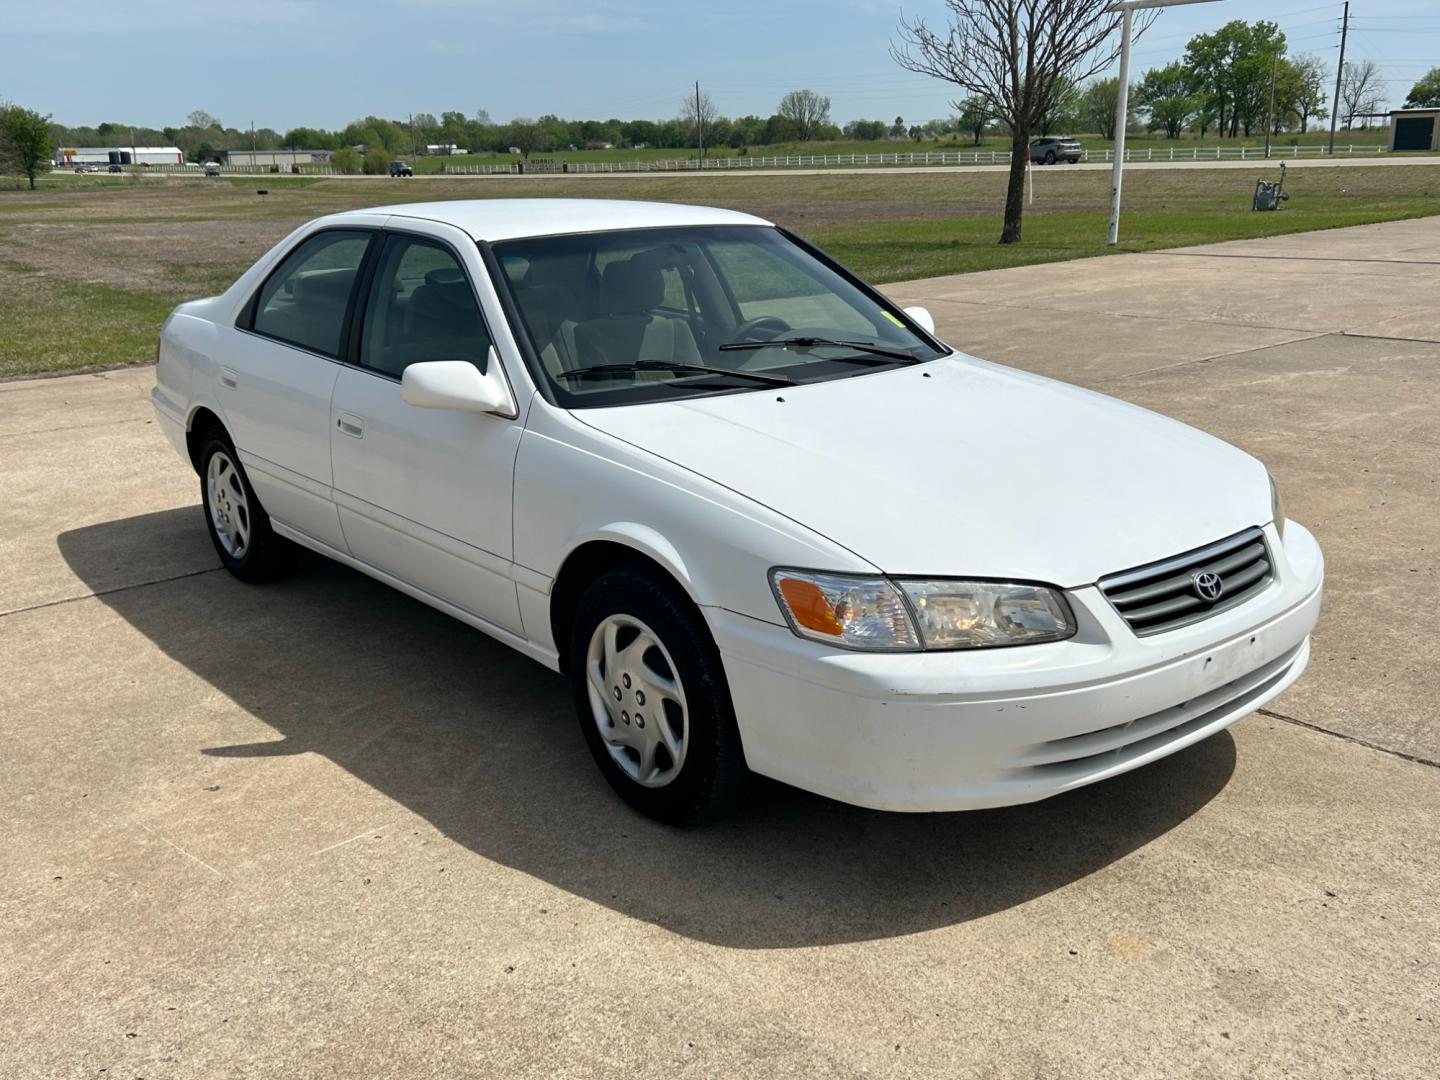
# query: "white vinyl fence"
[[812, 161], [919, 157]]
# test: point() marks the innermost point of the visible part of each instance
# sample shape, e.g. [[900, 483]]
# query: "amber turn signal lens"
[[809, 607]]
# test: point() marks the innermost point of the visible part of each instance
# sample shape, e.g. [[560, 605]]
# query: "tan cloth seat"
[[631, 329]]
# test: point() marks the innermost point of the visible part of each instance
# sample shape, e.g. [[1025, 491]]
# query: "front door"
[[425, 494]]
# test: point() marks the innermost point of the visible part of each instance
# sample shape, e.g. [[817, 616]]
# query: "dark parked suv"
[[400, 168], [1051, 149]]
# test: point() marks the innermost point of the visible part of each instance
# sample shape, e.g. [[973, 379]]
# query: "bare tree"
[[1017, 57], [805, 109], [698, 113], [1361, 90]]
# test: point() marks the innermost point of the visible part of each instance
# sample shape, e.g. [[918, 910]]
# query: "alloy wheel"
[[228, 504]]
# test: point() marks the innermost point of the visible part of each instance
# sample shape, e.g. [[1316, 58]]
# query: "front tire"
[[239, 527], [652, 700], [1050, 158]]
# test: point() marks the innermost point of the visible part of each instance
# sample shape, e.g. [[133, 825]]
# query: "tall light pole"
[[1122, 99]]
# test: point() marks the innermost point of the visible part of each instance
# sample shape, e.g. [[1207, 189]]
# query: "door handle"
[[351, 425], [228, 378]]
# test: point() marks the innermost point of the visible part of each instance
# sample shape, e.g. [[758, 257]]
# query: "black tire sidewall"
[[712, 777]]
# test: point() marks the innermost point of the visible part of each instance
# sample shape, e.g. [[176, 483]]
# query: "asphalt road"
[[316, 829]]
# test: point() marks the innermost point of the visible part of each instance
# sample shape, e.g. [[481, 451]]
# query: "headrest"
[[630, 288], [516, 267], [444, 275], [451, 304], [320, 286]]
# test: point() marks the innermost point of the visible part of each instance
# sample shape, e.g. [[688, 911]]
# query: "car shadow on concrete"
[[483, 744]]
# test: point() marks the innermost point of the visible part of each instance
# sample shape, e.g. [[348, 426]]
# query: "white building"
[[446, 149], [70, 156], [263, 159]]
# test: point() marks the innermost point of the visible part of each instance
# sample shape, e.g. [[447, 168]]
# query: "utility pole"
[[1339, 74], [1270, 114], [699, 125]]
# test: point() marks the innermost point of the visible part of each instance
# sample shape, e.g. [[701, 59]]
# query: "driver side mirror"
[[459, 385], [922, 317]]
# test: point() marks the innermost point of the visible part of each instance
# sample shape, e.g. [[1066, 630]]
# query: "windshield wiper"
[[670, 365], [818, 342]]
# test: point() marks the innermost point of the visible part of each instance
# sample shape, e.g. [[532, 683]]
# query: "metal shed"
[[1415, 129]]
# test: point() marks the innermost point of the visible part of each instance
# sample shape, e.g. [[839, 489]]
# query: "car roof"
[[507, 219]]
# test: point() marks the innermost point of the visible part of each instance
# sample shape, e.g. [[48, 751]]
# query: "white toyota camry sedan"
[[762, 518]]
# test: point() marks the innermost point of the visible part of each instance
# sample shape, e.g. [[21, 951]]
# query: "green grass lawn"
[[57, 325], [88, 271], [900, 250]]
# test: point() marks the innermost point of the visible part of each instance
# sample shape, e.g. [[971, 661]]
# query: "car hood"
[[963, 468]]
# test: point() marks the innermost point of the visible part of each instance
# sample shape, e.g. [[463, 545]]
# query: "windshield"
[[652, 315]]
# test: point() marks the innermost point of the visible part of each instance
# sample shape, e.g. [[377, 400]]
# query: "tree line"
[[800, 116], [1220, 88]]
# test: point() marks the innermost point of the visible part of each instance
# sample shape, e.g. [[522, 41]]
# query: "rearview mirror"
[[459, 384], [922, 317]]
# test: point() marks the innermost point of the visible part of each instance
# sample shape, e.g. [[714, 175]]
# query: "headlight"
[[856, 612], [981, 614], [873, 613], [1277, 506]]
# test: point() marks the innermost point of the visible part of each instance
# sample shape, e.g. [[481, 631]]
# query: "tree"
[[377, 162], [1166, 95], [304, 138], [1425, 94], [1099, 102], [805, 109], [346, 160], [202, 120], [25, 140], [1231, 71], [697, 114], [974, 118], [1361, 90], [897, 129], [524, 135], [1307, 95], [865, 130], [1015, 57]]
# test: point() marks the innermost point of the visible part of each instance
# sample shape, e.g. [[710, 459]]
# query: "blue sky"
[[282, 63]]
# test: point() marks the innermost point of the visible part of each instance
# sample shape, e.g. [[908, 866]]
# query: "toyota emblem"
[[1209, 586]]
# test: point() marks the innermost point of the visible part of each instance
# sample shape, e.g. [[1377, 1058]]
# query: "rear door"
[[277, 378], [425, 494]]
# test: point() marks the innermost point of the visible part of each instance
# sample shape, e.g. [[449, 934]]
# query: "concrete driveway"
[[316, 829]]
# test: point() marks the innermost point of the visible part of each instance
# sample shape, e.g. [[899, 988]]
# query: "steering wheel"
[[749, 329]]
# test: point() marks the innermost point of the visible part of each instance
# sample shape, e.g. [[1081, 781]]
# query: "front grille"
[[1180, 591]]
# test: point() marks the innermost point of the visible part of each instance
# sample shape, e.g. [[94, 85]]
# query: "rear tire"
[[652, 700], [239, 527]]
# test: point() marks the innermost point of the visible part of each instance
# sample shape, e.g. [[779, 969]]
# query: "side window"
[[304, 301], [421, 307]]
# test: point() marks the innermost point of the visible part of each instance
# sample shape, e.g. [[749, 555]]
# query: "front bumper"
[[964, 730]]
